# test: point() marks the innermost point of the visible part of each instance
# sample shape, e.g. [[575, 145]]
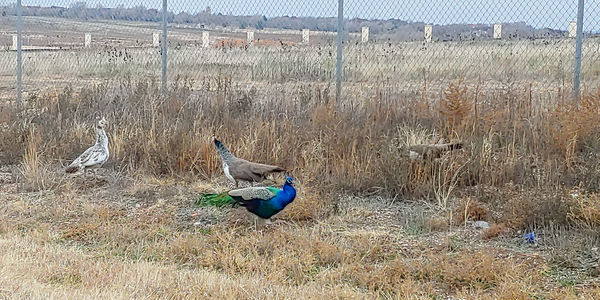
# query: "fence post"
[[205, 39], [163, 51], [498, 31], [364, 37], [155, 39], [19, 54], [572, 29], [250, 37], [87, 40], [578, 42], [305, 36], [428, 33], [338, 73]]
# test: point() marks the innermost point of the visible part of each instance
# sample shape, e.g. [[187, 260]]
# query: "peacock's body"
[[264, 202]]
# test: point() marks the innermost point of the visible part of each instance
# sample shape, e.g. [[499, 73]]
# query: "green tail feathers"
[[218, 200]]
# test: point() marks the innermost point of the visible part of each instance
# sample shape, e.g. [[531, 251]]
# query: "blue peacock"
[[264, 202]]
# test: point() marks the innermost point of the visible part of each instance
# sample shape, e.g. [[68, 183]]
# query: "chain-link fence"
[[272, 47], [489, 45]]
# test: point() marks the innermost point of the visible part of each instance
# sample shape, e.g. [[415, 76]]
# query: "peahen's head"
[[102, 123], [217, 142]]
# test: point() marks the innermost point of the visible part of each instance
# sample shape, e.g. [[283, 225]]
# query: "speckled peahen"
[[95, 156]]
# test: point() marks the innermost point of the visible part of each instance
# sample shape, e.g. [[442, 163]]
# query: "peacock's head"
[[289, 180]]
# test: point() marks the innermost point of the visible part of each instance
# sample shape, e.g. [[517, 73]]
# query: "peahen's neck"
[[101, 138], [225, 154]]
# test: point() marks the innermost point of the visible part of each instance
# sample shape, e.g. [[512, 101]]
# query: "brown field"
[[367, 222]]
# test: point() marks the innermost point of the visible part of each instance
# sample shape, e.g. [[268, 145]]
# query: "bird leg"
[[260, 222], [269, 222]]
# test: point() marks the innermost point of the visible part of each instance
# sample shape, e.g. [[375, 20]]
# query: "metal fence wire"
[[393, 47]]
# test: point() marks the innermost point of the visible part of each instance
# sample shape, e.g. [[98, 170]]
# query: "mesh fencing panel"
[[491, 45], [590, 65], [8, 57], [396, 47], [74, 43], [266, 51]]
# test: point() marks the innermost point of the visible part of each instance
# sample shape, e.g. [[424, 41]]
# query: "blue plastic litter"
[[530, 237]]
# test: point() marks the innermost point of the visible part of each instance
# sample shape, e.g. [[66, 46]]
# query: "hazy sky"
[[539, 13]]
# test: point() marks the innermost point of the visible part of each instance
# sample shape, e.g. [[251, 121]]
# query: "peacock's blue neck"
[[289, 189], [286, 196]]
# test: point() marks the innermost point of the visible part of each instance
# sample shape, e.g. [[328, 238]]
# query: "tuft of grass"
[[309, 205], [37, 175], [584, 210], [469, 210]]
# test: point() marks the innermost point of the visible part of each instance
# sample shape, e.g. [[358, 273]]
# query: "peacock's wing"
[[258, 200], [255, 193]]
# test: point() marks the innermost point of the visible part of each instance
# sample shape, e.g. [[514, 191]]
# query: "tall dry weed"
[[572, 125], [31, 165], [37, 175], [455, 109]]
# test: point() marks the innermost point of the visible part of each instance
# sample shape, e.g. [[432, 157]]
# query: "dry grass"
[[137, 234], [494, 231], [469, 210], [36, 271], [133, 241], [585, 209], [323, 144]]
